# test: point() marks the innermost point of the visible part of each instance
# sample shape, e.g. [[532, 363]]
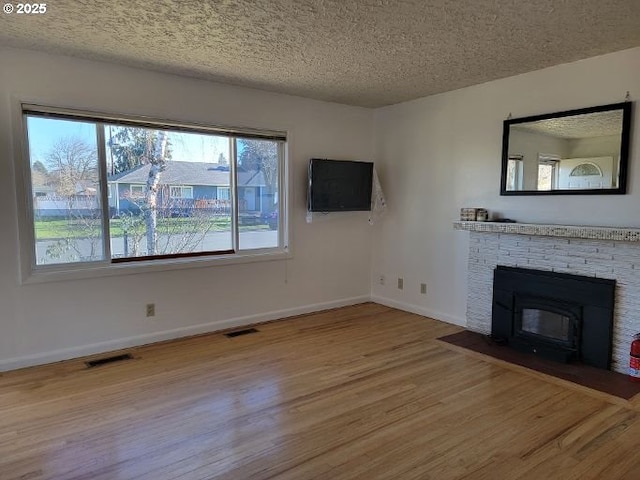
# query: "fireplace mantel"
[[601, 252], [623, 234]]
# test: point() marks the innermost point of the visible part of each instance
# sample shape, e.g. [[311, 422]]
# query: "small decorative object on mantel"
[[468, 214], [474, 214]]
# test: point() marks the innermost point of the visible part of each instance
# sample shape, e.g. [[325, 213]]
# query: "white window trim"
[[226, 189], [28, 274], [552, 160], [518, 173], [79, 271], [182, 189], [136, 185]]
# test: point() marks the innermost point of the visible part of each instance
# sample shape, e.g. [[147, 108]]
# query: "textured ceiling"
[[588, 125], [359, 52]]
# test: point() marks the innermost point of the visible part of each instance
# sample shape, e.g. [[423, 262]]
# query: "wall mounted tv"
[[339, 185]]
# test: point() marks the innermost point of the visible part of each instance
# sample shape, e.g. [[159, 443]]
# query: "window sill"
[[83, 271]]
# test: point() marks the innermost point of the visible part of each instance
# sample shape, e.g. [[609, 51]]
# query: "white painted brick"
[[535, 256], [628, 249], [601, 255], [539, 250], [560, 259], [584, 244], [582, 252], [595, 258], [567, 269], [578, 265], [590, 242], [516, 249], [542, 264], [623, 269], [510, 262]]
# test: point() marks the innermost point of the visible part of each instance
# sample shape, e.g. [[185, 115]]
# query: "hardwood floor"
[[362, 392]]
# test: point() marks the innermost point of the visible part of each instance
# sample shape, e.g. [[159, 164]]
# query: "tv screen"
[[339, 185]]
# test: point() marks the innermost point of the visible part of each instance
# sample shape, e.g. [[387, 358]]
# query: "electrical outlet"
[[423, 288], [381, 279], [151, 309], [400, 283]]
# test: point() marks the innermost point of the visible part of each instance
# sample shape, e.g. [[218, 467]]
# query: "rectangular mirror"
[[581, 151]]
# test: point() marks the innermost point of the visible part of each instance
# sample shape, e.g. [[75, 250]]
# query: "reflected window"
[[548, 172], [586, 169], [514, 172]]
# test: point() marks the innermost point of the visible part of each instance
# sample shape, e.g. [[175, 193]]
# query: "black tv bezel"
[[313, 209]]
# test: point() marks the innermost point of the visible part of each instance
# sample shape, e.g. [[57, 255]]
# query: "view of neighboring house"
[[49, 203], [185, 186]]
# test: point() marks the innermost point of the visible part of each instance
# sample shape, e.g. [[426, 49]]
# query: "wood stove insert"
[[562, 317]]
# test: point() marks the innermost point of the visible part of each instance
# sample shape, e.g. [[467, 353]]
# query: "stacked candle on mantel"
[[474, 214]]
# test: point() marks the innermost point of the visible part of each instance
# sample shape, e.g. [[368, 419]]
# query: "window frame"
[[30, 272], [518, 169], [227, 194], [549, 160], [182, 188], [136, 194]]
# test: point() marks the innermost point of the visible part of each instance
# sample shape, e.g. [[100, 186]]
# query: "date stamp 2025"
[[24, 8]]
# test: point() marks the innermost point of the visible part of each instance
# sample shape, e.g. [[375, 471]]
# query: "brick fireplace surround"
[[601, 252]]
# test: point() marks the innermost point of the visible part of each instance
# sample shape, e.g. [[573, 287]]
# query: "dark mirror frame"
[[626, 108]]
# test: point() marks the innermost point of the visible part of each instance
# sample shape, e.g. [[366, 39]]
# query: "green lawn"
[[78, 228]]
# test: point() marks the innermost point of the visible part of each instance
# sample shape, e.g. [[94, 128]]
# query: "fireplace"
[[563, 317]]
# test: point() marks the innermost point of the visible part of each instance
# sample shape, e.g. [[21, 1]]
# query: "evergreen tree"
[[132, 147], [261, 156]]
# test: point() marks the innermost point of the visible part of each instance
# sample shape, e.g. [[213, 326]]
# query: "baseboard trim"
[[138, 340], [426, 312]]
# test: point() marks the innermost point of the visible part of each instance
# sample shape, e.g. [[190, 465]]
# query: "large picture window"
[[106, 189]]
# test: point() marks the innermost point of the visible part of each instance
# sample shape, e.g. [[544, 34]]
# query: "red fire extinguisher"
[[634, 359]]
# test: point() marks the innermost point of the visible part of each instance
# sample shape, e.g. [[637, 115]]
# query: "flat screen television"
[[339, 185]]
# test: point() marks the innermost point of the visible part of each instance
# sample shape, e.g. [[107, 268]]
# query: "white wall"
[[434, 156], [331, 259], [440, 153], [607, 146], [529, 145]]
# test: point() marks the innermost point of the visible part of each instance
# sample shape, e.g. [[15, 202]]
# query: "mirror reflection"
[[580, 151]]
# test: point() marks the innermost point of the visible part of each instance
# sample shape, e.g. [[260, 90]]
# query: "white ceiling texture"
[[359, 52]]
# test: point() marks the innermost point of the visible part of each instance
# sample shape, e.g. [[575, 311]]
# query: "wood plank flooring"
[[362, 392]]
